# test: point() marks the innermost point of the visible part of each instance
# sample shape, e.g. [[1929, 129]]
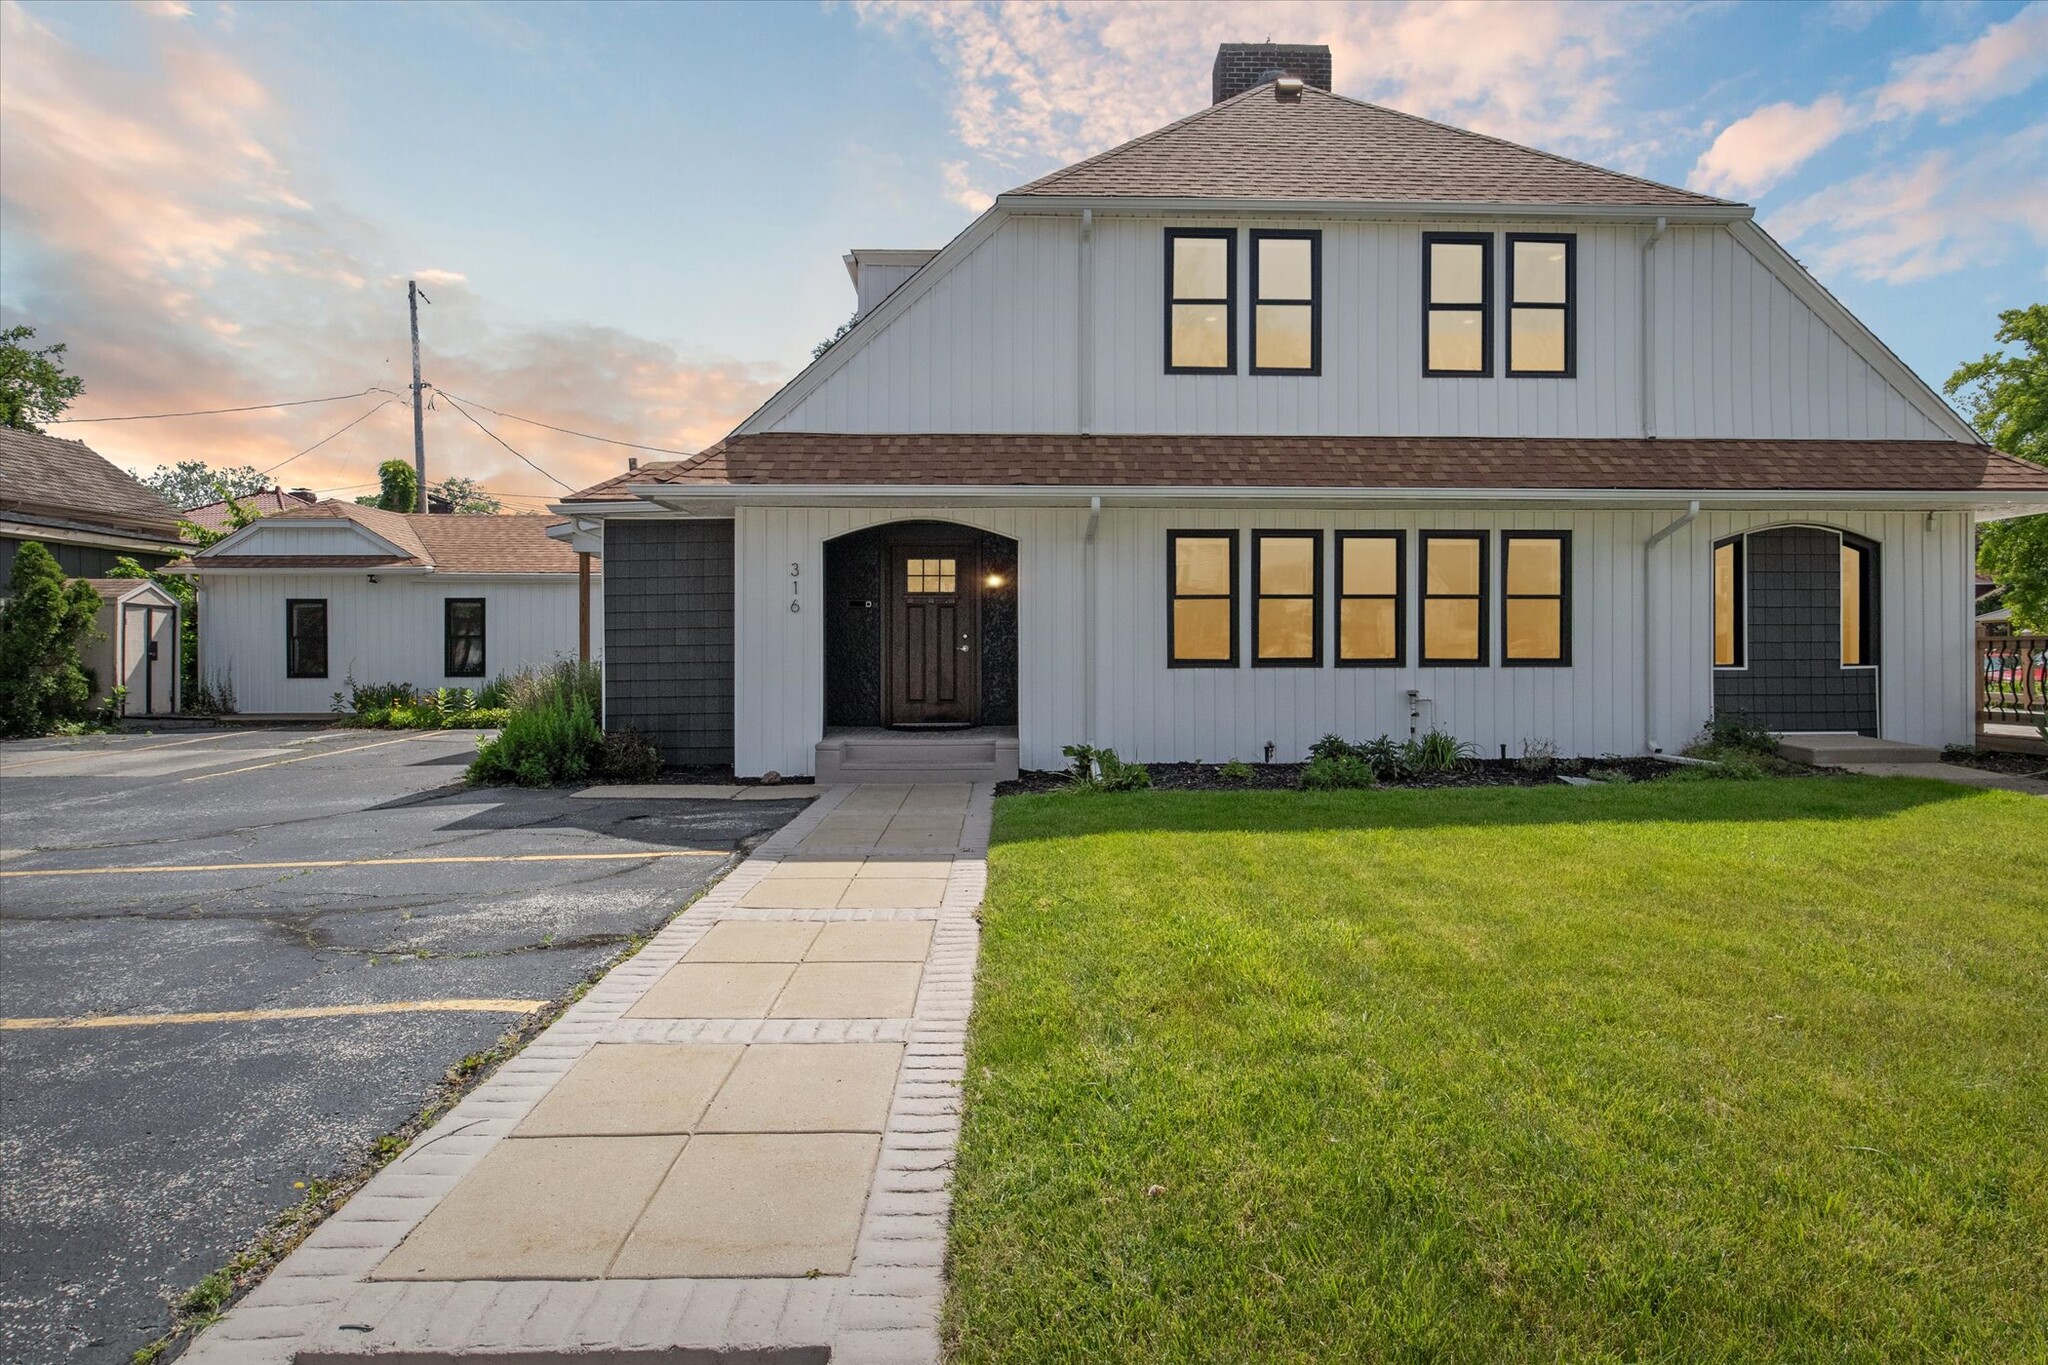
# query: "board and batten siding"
[[1127, 698], [387, 631], [994, 346]]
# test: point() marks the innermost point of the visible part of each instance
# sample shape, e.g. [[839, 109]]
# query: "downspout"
[[1088, 621], [1657, 537], [1084, 347], [1645, 385]]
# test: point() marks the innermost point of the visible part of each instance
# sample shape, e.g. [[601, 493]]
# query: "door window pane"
[[931, 575]]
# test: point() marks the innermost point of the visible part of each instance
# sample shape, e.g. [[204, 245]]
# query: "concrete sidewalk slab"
[[872, 941], [754, 941], [849, 990], [714, 990], [622, 1090], [803, 1088]]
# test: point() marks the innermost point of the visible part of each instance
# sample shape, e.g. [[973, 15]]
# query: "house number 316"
[[795, 571]]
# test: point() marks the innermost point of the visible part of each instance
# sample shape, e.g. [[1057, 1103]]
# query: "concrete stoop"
[[1833, 751], [987, 754]]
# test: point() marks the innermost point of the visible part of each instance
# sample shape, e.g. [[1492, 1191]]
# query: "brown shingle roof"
[[1327, 147], [69, 481], [1346, 462], [213, 516], [448, 544]]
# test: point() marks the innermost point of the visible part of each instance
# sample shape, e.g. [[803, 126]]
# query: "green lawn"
[[1717, 1071]]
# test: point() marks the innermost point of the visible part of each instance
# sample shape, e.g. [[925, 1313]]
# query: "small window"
[[1201, 628], [1287, 312], [1859, 603], [1201, 301], [1535, 597], [462, 637], [1728, 604], [1287, 578], [1542, 314], [1371, 610], [1457, 304], [305, 637], [941, 576], [1453, 597]]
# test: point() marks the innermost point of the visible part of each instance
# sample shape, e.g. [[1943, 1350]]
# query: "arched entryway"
[[921, 627], [1795, 629]]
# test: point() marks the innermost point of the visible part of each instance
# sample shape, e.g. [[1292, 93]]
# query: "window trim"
[[1173, 539], [291, 643], [1483, 658], [1314, 238], [1229, 299], [1400, 659], [1314, 596], [448, 605], [1570, 306], [1867, 557], [1563, 597], [1739, 605], [1484, 241]]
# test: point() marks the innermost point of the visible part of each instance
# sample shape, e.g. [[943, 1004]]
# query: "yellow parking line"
[[304, 758], [373, 862], [301, 1012]]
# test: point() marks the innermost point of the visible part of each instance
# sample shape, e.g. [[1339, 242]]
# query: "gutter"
[[1657, 538], [1645, 374]]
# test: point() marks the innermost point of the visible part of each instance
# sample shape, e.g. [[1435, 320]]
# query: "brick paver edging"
[[319, 1305]]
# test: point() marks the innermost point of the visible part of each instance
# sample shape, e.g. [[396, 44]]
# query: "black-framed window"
[[1728, 594], [1535, 598], [1454, 597], [1287, 302], [1201, 621], [1287, 599], [1543, 314], [1372, 593], [462, 637], [305, 637], [1859, 602], [1201, 300], [1457, 304]]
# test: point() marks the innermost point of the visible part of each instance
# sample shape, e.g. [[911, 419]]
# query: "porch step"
[[1832, 751], [910, 756]]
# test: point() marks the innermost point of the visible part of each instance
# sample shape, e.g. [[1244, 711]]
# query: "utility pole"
[[419, 419]]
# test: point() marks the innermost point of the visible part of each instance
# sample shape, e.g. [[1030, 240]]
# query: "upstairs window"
[[1859, 603], [1453, 597], [462, 637], [1287, 312], [1201, 301], [1201, 626], [1287, 576], [1728, 603], [1535, 597], [305, 637], [1371, 615], [1457, 304], [1542, 308]]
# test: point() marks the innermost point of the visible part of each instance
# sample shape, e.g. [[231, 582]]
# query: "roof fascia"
[[27, 527], [1138, 205], [235, 538], [790, 395], [1866, 343], [199, 566]]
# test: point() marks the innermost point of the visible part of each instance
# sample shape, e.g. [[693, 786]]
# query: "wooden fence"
[[2012, 679]]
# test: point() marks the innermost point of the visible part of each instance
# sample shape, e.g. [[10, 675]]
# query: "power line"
[[212, 412], [566, 431], [330, 436], [499, 439]]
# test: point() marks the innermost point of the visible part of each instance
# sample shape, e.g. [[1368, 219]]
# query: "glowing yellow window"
[[1202, 624]]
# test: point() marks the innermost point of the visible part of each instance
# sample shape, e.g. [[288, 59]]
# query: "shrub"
[[1101, 770], [628, 756], [1237, 770], [1739, 731], [213, 696], [1437, 751], [42, 679], [564, 679], [1385, 757], [1332, 746], [554, 741], [1335, 773], [1538, 756]]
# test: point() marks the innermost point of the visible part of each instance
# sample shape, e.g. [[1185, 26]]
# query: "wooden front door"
[[933, 652]]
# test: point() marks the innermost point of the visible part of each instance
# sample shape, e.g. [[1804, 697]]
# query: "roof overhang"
[[71, 533], [1144, 206]]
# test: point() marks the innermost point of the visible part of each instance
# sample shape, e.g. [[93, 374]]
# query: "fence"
[[2012, 679]]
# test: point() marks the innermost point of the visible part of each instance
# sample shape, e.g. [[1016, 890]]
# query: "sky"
[[628, 220]]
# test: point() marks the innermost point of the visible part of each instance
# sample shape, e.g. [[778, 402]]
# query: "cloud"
[[960, 188], [1937, 215], [160, 222], [1754, 153]]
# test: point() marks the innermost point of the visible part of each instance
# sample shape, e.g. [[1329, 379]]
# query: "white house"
[[295, 605], [1304, 415]]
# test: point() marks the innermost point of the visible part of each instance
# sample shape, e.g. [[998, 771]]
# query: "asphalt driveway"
[[362, 924]]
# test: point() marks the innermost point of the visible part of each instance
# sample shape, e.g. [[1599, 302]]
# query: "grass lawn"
[[1715, 1071]]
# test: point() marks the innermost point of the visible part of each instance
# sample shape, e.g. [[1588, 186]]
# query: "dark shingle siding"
[[668, 637], [1795, 679]]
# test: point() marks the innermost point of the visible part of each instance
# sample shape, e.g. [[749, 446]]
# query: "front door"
[[932, 654]]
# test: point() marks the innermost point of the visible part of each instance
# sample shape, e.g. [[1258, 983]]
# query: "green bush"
[[1739, 731], [1237, 770], [1437, 751], [43, 682], [1332, 746], [552, 742], [628, 756], [563, 679], [1336, 773], [1100, 770], [1384, 756]]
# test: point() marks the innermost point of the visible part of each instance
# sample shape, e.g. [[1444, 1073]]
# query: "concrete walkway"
[[1957, 773], [738, 1145]]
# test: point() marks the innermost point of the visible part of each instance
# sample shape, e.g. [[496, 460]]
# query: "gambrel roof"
[[1328, 149]]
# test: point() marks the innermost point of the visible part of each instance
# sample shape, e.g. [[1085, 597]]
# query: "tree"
[[466, 495], [401, 491], [2006, 397], [194, 483], [829, 342], [33, 385], [42, 679]]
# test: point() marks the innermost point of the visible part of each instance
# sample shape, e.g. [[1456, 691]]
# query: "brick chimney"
[[1240, 66]]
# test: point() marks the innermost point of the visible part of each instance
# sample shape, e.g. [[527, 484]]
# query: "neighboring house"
[[1302, 415], [136, 646], [82, 509], [218, 516], [293, 606]]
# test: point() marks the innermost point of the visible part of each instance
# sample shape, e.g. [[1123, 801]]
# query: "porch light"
[[994, 580]]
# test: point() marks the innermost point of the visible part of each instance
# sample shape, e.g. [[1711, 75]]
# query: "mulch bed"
[[1484, 772], [1997, 761]]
